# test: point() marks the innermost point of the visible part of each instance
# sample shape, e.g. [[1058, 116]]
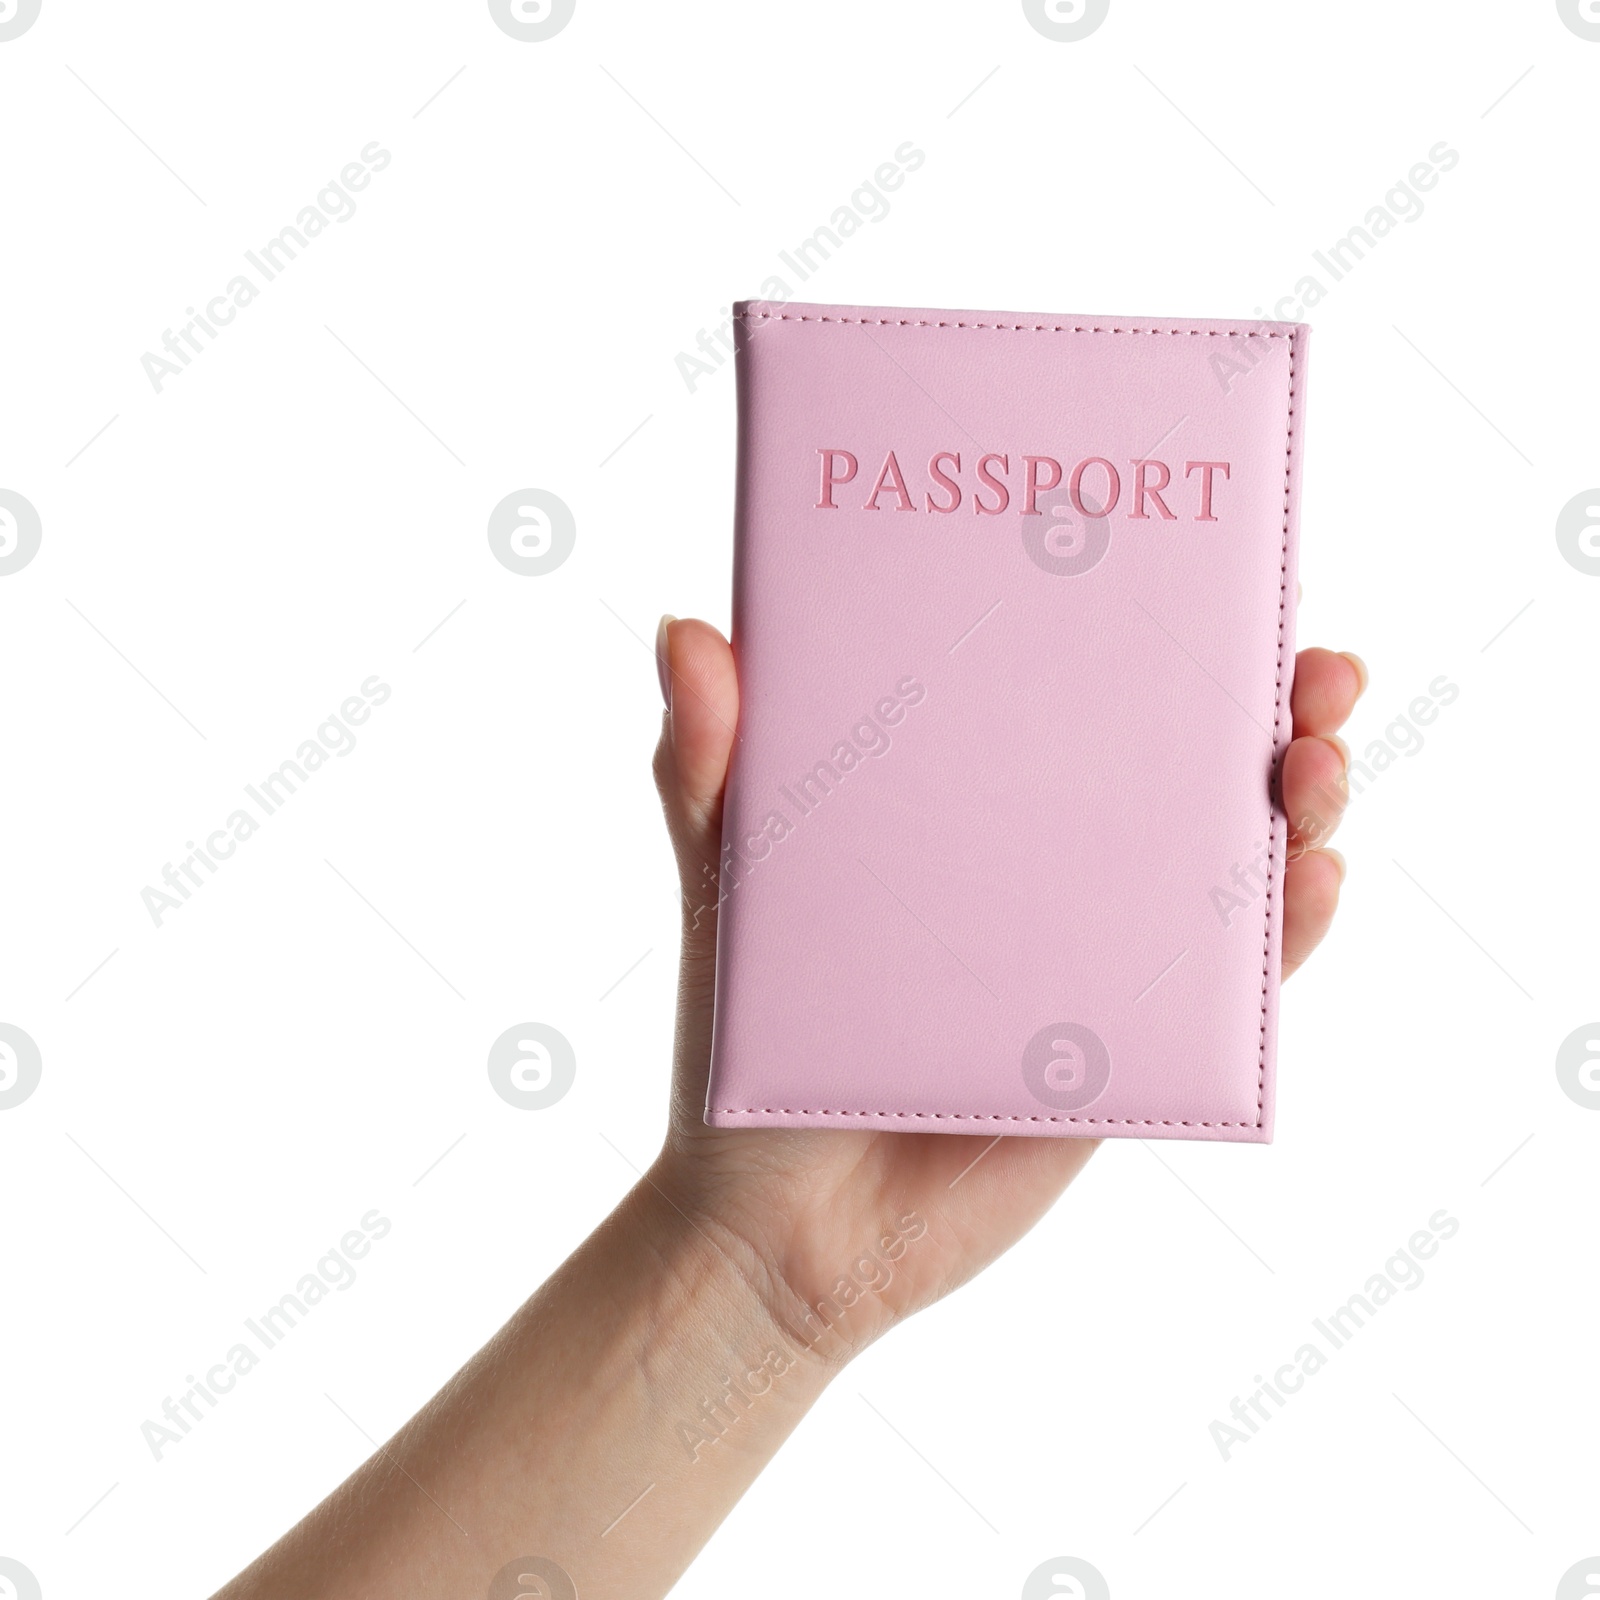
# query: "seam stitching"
[[1015, 327], [969, 1116], [1277, 722]]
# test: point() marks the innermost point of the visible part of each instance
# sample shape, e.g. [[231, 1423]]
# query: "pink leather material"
[[1000, 848]]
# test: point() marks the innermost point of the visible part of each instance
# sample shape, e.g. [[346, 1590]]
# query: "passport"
[[1013, 614]]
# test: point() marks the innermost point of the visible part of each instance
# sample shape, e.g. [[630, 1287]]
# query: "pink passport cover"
[[1001, 852]]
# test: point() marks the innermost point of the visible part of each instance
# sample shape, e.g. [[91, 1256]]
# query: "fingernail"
[[1361, 671], [1338, 861], [664, 659], [1339, 745]]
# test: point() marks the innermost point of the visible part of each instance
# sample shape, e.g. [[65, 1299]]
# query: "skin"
[[599, 1429]]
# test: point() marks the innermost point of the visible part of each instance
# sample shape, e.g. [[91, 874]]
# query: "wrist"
[[726, 1380], [822, 1293], [731, 1280]]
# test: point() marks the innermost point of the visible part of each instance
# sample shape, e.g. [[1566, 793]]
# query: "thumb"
[[701, 689]]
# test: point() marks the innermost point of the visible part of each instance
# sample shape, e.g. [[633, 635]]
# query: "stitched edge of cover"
[[1013, 327], [1277, 718], [969, 1116]]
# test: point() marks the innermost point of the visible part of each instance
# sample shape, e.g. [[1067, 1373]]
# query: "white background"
[[229, 559]]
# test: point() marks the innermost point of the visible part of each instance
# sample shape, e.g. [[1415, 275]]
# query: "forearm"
[[609, 1427]]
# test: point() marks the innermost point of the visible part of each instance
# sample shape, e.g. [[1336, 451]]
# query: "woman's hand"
[[596, 1442], [795, 1210]]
